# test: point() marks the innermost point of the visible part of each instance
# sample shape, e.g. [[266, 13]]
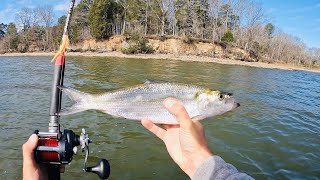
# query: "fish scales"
[[146, 101]]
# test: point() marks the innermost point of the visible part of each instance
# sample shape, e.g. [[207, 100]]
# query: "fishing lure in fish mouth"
[[146, 101]]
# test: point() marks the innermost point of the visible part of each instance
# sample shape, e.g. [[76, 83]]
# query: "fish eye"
[[221, 97]]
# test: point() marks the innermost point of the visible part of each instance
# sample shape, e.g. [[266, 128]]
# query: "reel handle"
[[102, 169]]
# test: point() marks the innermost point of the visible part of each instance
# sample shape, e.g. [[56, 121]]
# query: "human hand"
[[31, 170], [185, 142]]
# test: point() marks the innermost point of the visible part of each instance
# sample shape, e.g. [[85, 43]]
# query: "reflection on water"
[[274, 134]]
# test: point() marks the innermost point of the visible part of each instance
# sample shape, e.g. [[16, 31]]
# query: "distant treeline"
[[230, 23]]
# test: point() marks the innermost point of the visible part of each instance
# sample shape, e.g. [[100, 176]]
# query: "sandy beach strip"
[[187, 58]]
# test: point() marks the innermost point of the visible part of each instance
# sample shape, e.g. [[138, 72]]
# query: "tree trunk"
[[162, 26], [124, 21], [146, 21], [173, 28]]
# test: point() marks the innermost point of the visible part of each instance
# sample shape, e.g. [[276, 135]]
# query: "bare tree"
[[163, 6], [171, 16], [213, 13], [125, 6], [244, 20], [146, 15], [45, 15], [25, 18], [254, 16]]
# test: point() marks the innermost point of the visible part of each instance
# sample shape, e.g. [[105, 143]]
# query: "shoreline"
[[187, 58]]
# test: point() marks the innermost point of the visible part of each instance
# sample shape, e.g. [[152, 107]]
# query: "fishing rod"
[[54, 147]]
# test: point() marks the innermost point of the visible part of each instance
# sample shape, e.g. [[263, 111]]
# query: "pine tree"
[[12, 37], [3, 28], [101, 18], [79, 23], [269, 28], [227, 37]]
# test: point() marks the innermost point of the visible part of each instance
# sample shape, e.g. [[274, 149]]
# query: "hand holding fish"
[[185, 142]]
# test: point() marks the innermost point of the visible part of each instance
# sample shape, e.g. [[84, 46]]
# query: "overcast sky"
[[299, 18]]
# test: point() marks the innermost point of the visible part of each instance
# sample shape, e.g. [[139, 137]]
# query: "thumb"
[[176, 108], [28, 149]]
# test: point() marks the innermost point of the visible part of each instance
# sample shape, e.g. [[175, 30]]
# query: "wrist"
[[204, 154], [197, 160]]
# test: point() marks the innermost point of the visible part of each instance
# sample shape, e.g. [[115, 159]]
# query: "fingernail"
[[33, 138], [169, 102]]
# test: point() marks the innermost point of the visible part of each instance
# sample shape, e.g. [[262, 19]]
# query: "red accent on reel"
[[48, 142], [48, 156]]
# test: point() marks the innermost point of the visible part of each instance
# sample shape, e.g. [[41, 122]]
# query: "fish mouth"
[[235, 105], [232, 103]]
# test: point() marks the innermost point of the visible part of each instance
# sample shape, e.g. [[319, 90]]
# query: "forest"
[[227, 23]]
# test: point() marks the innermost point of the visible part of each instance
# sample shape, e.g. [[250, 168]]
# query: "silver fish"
[[146, 101]]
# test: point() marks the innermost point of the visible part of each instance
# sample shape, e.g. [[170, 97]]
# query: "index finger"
[[176, 108], [156, 130]]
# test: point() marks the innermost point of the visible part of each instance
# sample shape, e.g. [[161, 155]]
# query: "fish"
[[146, 102]]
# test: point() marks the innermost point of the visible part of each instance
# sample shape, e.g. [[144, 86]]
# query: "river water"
[[275, 134]]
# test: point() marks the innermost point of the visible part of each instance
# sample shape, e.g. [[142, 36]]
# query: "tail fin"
[[82, 101]]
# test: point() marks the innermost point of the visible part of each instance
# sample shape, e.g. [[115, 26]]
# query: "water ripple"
[[275, 134]]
